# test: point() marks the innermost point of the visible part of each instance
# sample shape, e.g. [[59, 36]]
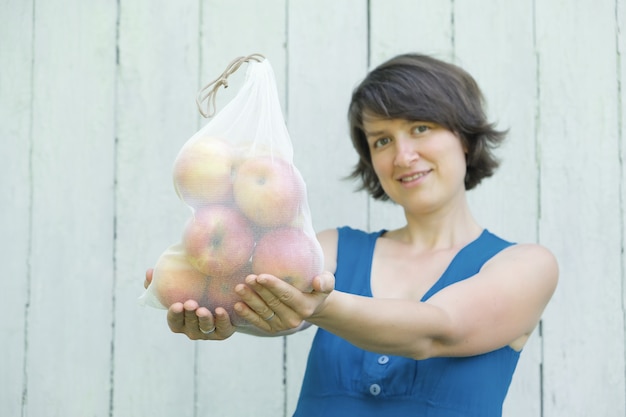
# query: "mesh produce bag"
[[249, 208]]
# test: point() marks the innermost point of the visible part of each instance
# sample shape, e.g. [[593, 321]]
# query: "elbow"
[[439, 341], [425, 348], [422, 353], [434, 348]]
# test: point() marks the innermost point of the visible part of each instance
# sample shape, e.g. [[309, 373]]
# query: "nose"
[[406, 153]]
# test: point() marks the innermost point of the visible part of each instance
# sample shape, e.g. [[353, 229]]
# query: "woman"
[[428, 319]]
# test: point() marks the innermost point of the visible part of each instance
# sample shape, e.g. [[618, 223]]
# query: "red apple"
[[202, 171], [221, 293], [221, 290], [175, 280], [218, 240], [269, 190], [290, 254]]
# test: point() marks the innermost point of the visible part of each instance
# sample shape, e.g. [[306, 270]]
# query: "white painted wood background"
[[97, 97]]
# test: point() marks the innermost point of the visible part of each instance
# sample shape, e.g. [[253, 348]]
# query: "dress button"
[[374, 389], [383, 359]]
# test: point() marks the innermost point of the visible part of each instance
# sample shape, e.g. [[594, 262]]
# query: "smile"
[[413, 177]]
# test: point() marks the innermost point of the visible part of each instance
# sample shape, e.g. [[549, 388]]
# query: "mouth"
[[413, 177]]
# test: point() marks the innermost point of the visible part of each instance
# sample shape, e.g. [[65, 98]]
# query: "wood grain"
[[97, 99]]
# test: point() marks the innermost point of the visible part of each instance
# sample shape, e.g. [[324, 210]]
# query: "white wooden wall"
[[97, 97]]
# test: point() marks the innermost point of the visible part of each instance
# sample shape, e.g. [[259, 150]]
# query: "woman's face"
[[420, 165]]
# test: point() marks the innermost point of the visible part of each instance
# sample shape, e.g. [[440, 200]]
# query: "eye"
[[378, 143], [420, 128]]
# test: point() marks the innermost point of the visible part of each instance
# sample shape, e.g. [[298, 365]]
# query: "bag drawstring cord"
[[208, 93]]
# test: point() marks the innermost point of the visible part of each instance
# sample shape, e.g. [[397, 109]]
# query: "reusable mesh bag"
[[248, 201]]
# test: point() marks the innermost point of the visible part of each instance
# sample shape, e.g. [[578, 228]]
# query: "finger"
[[212, 326], [281, 295], [253, 318], [148, 280], [223, 325], [206, 322], [222, 319], [192, 327], [254, 309], [264, 309], [253, 300], [275, 292], [176, 318]]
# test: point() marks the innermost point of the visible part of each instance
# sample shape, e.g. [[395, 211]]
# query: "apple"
[[203, 170], [289, 254], [221, 293], [176, 280], [218, 240], [269, 190]]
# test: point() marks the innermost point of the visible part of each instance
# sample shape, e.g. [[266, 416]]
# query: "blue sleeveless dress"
[[346, 381]]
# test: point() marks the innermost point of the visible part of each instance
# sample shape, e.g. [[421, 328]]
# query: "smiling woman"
[[421, 88], [426, 319], [415, 156]]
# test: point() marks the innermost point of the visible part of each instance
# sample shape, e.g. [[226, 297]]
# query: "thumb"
[[148, 279], [325, 282]]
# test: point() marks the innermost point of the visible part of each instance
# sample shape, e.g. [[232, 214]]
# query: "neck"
[[446, 227]]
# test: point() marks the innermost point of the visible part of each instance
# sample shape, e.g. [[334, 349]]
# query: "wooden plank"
[[155, 370], [327, 58], [229, 30], [621, 50], [15, 200], [69, 318], [321, 81], [506, 72], [410, 26], [580, 167], [497, 48], [393, 30]]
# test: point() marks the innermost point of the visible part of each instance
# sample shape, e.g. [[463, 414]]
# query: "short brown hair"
[[419, 87]]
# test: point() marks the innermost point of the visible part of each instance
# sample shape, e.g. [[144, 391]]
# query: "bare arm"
[[496, 307]]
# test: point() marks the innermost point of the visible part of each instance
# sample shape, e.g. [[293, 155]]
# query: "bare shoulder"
[[529, 261], [328, 240], [501, 305], [528, 253]]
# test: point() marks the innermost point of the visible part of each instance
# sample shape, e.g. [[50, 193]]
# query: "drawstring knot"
[[208, 93]]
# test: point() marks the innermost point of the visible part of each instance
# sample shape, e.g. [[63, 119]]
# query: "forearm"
[[392, 326], [254, 331]]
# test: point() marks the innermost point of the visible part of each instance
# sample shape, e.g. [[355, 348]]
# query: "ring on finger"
[[271, 316], [207, 331]]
